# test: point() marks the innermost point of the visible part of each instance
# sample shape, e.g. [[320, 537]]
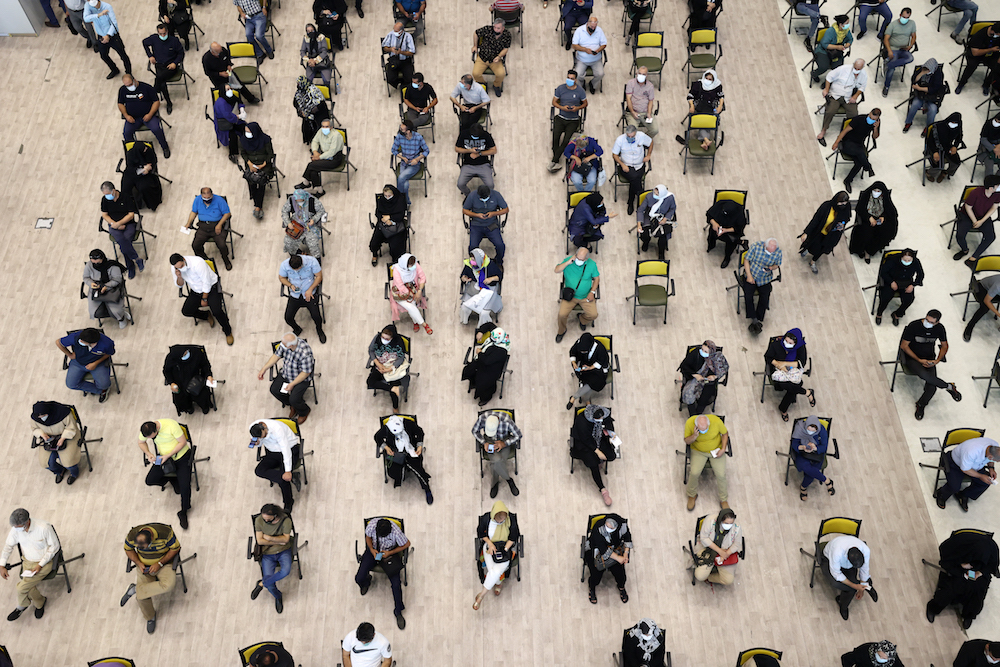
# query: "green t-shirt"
[[584, 275], [282, 527], [899, 34]]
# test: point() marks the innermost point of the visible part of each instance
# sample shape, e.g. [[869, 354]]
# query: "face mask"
[[631, 140], [132, 88], [20, 528], [206, 199], [484, 199], [325, 131], [415, 85], [871, 121], [846, 26], [109, 197], [93, 3], [929, 325], [386, 341], [953, 125], [641, 78], [591, 30], [727, 527], [903, 20], [906, 262], [879, 659], [996, 123], [164, 37], [248, 135], [310, 33], [397, 34], [43, 417], [703, 432], [703, 353], [580, 262], [811, 431], [185, 356], [876, 193], [229, 93], [570, 82], [787, 344]]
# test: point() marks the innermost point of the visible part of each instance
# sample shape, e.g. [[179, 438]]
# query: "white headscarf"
[[710, 85], [395, 424], [660, 194], [406, 274]]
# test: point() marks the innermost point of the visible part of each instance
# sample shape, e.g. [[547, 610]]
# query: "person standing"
[[39, 545], [74, 18], [760, 262], [102, 17], [254, 17], [580, 281], [569, 99]]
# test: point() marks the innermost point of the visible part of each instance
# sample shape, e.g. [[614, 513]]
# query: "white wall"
[[21, 17]]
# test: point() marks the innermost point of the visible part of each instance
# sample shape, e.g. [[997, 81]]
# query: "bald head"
[[398, 27], [582, 253], [289, 339], [859, 64], [215, 48]]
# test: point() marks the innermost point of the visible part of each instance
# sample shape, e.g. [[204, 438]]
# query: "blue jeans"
[[56, 468], [916, 105], [101, 375], [275, 567], [123, 237], [902, 59], [51, 15], [478, 232], [577, 181], [154, 126], [810, 471], [255, 27], [882, 9], [968, 9], [406, 172], [812, 11]]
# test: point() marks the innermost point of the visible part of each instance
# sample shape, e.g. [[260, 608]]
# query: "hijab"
[[497, 338], [886, 647], [800, 433], [313, 39], [477, 263], [707, 85], [395, 208], [257, 142], [930, 65], [104, 267], [406, 274], [719, 533], [307, 96], [587, 344], [949, 137], [300, 198], [49, 412], [715, 364], [395, 426], [648, 641], [876, 205], [501, 531], [596, 203], [792, 354], [392, 350], [598, 430], [606, 532], [660, 194]]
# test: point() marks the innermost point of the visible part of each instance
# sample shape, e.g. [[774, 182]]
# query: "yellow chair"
[[248, 75], [109, 662], [952, 439], [311, 381], [247, 653], [886, 256], [738, 196], [697, 63], [687, 453], [405, 386], [692, 143], [405, 554], [745, 656], [194, 460], [298, 462], [826, 422], [652, 294], [954, 221], [834, 526], [648, 51]]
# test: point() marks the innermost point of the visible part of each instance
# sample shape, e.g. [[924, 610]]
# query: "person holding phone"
[[969, 561], [499, 534], [385, 544], [171, 462], [498, 436], [152, 548]]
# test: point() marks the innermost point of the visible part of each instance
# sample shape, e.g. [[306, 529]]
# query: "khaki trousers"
[[27, 589], [698, 461], [566, 307], [148, 586], [497, 68], [725, 574]]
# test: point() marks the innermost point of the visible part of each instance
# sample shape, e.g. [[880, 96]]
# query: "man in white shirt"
[[975, 458], [846, 560], [470, 98], [204, 291], [39, 545], [283, 452], [366, 648], [589, 43], [843, 88], [631, 153]]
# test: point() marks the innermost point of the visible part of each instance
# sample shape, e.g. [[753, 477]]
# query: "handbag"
[[295, 229], [258, 552], [397, 373], [392, 565], [568, 293], [793, 375], [258, 177], [399, 458], [195, 385], [169, 466]]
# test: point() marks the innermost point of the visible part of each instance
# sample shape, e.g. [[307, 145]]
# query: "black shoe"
[[279, 606], [919, 414], [679, 139], [569, 44], [725, 263], [930, 614], [645, 246], [513, 488], [69, 482], [822, 141], [906, 128], [953, 390], [959, 255], [498, 91], [878, 320], [227, 264], [494, 490], [844, 611], [885, 92], [170, 108], [847, 186], [297, 481], [14, 615], [862, 34], [166, 149], [590, 86], [322, 335], [967, 335], [967, 623], [940, 503], [872, 592], [114, 73], [151, 626], [366, 586], [104, 396], [90, 44], [963, 502], [128, 593], [559, 337], [69, 25], [361, 13], [59, 477], [40, 611], [256, 590], [583, 327], [270, 56], [400, 622], [182, 516], [483, 402], [430, 497], [958, 90], [631, 207]]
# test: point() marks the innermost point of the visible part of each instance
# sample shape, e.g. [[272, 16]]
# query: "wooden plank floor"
[[61, 139]]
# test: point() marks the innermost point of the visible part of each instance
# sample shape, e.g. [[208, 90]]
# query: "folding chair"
[[405, 554], [318, 295], [687, 453], [652, 294], [325, 90], [826, 422], [697, 63], [738, 196], [294, 540], [82, 430], [561, 22], [572, 461], [177, 564], [486, 118], [577, 308], [993, 377], [247, 653], [646, 16], [138, 240], [941, 8], [745, 656], [271, 32], [411, 27], [111, 662], [607, 340], [481, 451], [384, 59], [380, 453], [886, 256], [963, 57], [272, 179], [793, 14], [208, 116], [899, 366], [102, 312], [766, 373], [230, 241], [617, 660], [127, 146], [58, 564], [592, 521], [90, 378], [404, 390], [881, 60], [812, 62], [960, 531], [952, 439], [385, 295], [194, 463], [637, 228], [407, 224], [298, 463], [470, 356], [247, 75], [184, 291], [552, 119], [649, 51], [178, 78], [838, 157], [402, 115], [954, 221], [346, 166], [855, 13], [690, 551], [310, 382], [834, 526], [626, 117], [143, 128], [984, 263], [514, 19], [515, 562], [692, 144], [741, 280], [422, 175]]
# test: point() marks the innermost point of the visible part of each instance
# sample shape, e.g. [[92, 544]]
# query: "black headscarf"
[[313, 38], [596, 204], [259, 140], [946, 136], [105, 265], [979, 551], [54, 412], [395, 208]]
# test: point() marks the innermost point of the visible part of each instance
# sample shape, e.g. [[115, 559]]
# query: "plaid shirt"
[[249, 7], [394, 539], [759, 260], [410, 148], [299, 360], [507, 430]]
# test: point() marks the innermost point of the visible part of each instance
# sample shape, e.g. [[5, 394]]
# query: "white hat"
[[395, 424], [492, 422]]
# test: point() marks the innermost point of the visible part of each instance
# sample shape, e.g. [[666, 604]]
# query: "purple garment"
[[223, 109]]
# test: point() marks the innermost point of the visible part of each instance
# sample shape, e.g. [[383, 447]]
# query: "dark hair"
[[383, 527], [418, 76], [993, 180], [408, 124], [935, 313], [841, 18], [600, 413], [573, 72], [147, 429], [842, 196], [366, 632], [477, 128], [905, 10], [856, 558], [413, 260], [161, 25], [295, 261], [908, 251], [789, 334], [877, 112], [145, 532], [176, 258], [256, 430], [483, 190], [90, 335], [272, 509]]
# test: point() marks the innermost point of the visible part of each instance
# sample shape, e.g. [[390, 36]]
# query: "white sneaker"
[[553, 167], [122, 323]]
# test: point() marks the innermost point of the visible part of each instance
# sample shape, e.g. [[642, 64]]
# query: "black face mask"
[[591, 30]]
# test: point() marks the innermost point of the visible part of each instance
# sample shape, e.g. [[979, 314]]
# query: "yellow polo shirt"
[[709, 441]]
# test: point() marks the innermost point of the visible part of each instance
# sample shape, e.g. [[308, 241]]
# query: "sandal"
[[784, 416], [593, 596], [479, 601], [623, 594], [811, 395], [497, 589], [829, 487], [416, 328], [428, 329], [803, 494]]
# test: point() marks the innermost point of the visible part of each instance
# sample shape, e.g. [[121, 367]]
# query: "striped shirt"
[[507, 430], [163, 542], [299, 360]]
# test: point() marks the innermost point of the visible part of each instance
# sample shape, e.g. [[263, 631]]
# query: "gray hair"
[[994, 452], [19, 517], [499, 21], [108, 185], [289, 338], [631, 129]]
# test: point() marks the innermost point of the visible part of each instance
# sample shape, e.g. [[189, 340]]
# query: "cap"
[[492, 422]]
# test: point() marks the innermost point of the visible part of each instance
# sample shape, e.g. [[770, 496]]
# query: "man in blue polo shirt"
[[484, 208], [212, 213], [580, 274], [302, 275], [88, 351]]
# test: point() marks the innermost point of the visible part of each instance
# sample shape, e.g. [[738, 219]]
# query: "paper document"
[[185, 230], [716, 453], [211, 383], [284, 388], [27, 574]]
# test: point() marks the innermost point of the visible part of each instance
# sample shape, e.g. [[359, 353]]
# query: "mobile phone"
[[378, 556], [158, 460], [490, 448]]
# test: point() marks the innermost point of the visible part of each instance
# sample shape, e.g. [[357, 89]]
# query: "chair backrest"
[[979, 25], [398, 522], [187, 434], [652, 267], [840, 525], [642, 196], [743, 257], [819, 34], [575, 198], [738, 196], [703, 121], [246, 653], [384, 420], [649, 40], [745, 656], [241, 50], [593, 520], [290, 423], [343, 133], [329, 44], [965, 193], [509, 17], [957, 436], [703, 37], [579, 411], [406, 343], [697, 526], [507, 411], [889, 254], [608, 343], [326, 92], [129, 144], [211, 265], [988, 263], [971, 531], [107, 661]]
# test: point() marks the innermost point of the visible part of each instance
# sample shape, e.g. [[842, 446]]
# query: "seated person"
[[826, 228], [330, 16], [989, 143], [852, 141], [390, 224], [810, 440], [927, 89], [229, 116], [38, 545], [975, 651], [389, 363], [639, 91], [311, 107], [282, 455], [607, 548], [365, 647], [411, 151], [212, 214], [701, 371], [475, 146], [784, 360], [656, 215], [899, 276], [176, 14], [723, 536], [702, 14], [186, 369], [401, 48], [707, 438], [636, 11], [88, 351], [631, 153], [410, 12], [760, 265], [969, 561], [583, 162], [218, 66], [587, 219], [876, 222], [54, 429], [574, 13], [987, 293], [470, 99], [874, 654], [315, 56], [273, 532], [401, 442], [726, 222], [258, 156], [170, 457], [499, 532], [974, 459], [592, 434], [844, 87], [480, 278], [483, 210], [644, 645], [327, 155], [119, 214], [307, 213], [271, 655], [981, 49], [832, 48], [384, 544], [302, 277], [846, 560], [152, 548], [166, 55], [495, 432], [419, 99], [591, 365], [490, 46], [898, 39], [407, 291], [139, 104], [941, 147], [976, 212], [918, 352], [104, 283], [204, 291], [139, 179], [485, 369], [706, 97], [290, 384]]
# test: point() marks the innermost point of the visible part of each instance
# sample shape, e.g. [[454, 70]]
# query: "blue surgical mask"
[[812, 431], [906, 262], [703, 432], [164, 37], [703, 353], [325, 131], [879, 659], [110, 197], [631, 140], [484, 199], [570, 82], [871, 121], [415, 85], [903, 20], [876, 193], [186, 356]]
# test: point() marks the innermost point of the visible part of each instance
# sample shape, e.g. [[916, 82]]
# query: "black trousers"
[[364, 575], [662, 242], [377, 381], [114, 43], [294, 305], [929, 375], [466, 119], [763, 300], [272, 467], [972, 63], [731, 241], [206, 231], [397, 243], [181, 482], [791, 390], [617, 571], [563, 130], [400, 75], [160, 82], [708, 395], [185, 402], [415, 464], [257, 191], [315, 168], [847, 597], [593, 462], [635, 178], [181, 30], [970, 595], [192, 308], [980, 295], [296, 398], [885, 295], [858, 153]]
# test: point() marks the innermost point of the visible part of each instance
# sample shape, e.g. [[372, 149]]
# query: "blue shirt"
[[106, 25], [410, 148], [84, 354], [302, 277], [473, 203], [759, 259], [212, 211]]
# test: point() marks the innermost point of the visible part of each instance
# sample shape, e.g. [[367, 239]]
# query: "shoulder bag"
[[568, 293], [392, 565], [195, 385]]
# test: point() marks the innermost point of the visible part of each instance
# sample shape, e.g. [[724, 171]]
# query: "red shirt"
[[506, 5], [980, 203]]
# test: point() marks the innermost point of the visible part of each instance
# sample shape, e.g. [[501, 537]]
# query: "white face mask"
[[953, 125], [787, 344], [641, 78], [876, 193], [726, 527], [996, 123], [20, 528], [131, 88], [43, 417], [580, 262], [929, 325], [93, 3], [386, 341], [229, 93], [248, 135], [811, 431], [185, 356], [991, 660]]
